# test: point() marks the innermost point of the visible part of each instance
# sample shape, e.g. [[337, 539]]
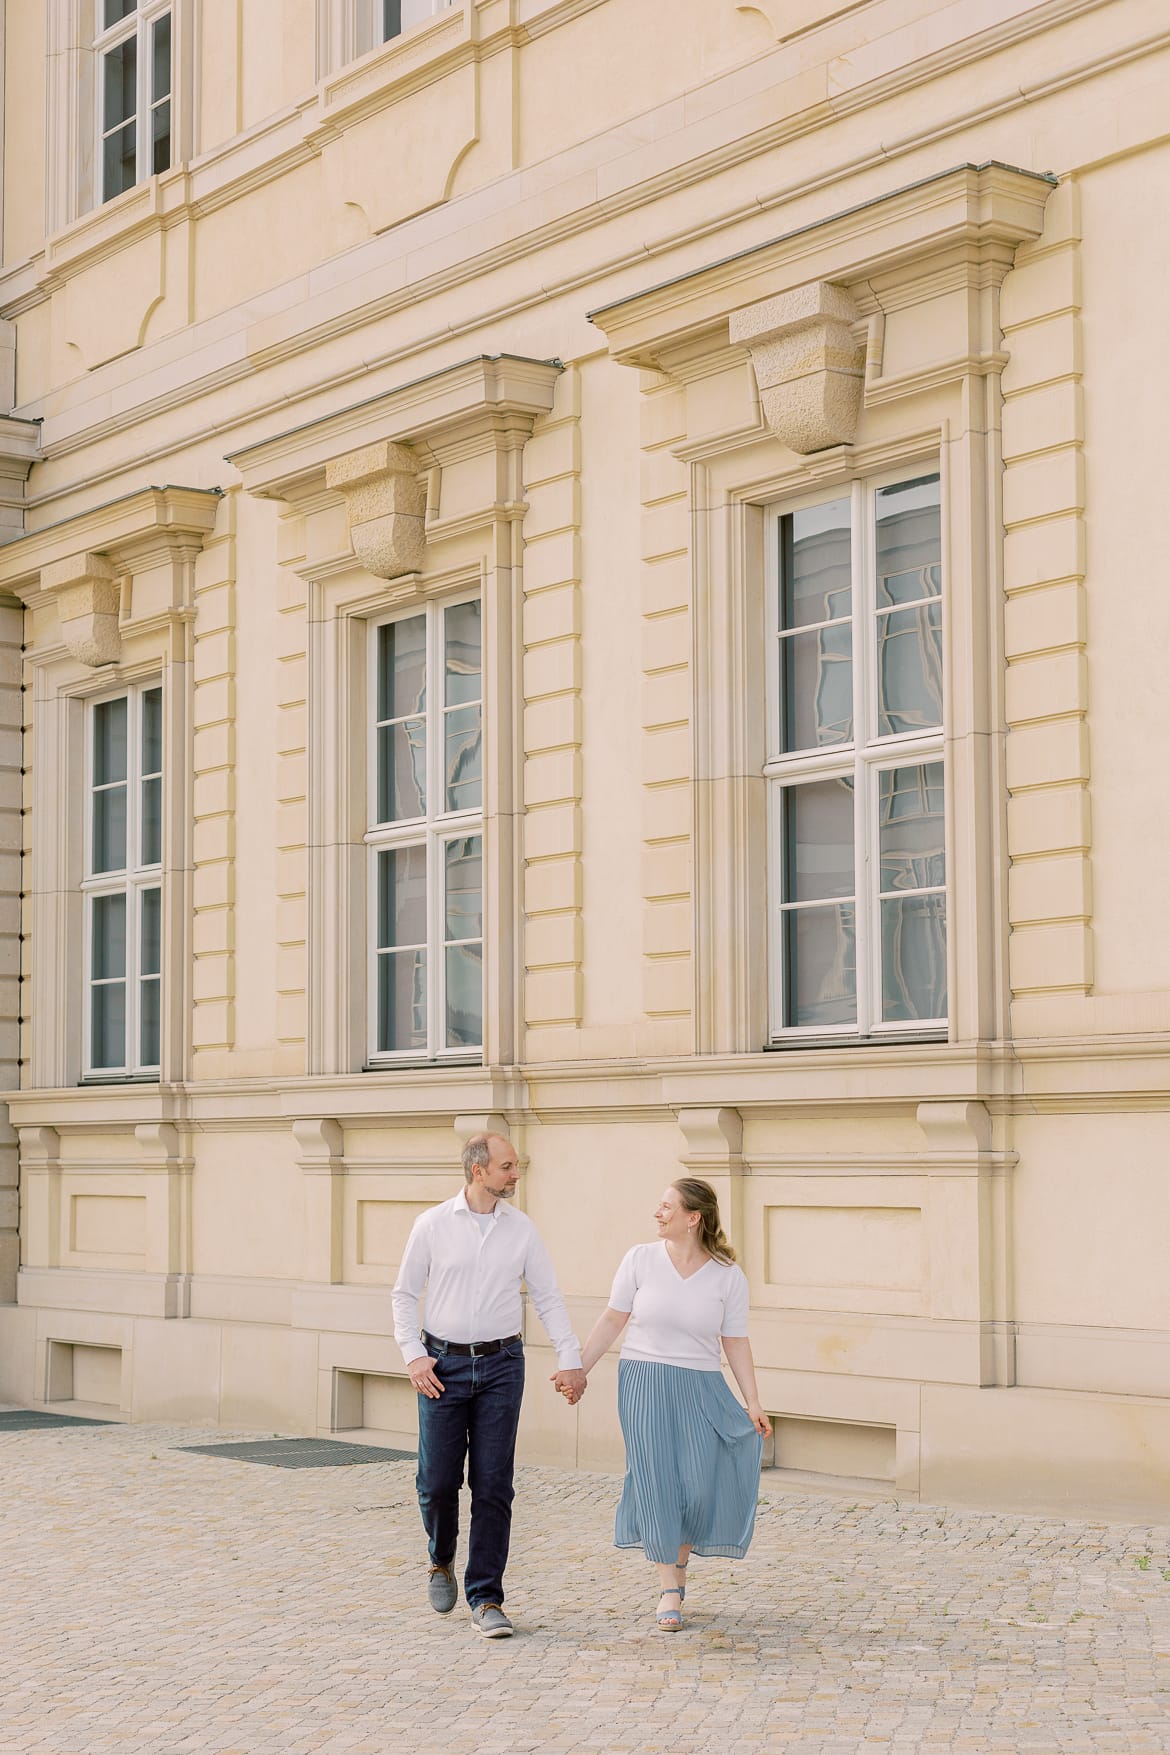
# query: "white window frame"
[[434, 831], [131, 882], [863, 759], [73, 104], [348, 29], [139, 24], [371, 21]]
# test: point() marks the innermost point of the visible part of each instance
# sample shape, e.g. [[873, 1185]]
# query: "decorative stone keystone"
[[385, 504], [88, 591], [808, 366]]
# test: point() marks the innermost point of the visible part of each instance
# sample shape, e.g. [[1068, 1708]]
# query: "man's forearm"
[[406, 1325]]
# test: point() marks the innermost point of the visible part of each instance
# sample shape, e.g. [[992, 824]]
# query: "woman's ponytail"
[[699, 1197]]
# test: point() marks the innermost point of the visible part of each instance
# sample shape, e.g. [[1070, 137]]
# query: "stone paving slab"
[[159, 1602]]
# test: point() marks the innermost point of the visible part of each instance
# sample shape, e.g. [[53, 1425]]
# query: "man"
[[470, 1255]]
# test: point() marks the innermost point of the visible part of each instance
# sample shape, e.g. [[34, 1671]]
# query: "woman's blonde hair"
[[699, 1197]]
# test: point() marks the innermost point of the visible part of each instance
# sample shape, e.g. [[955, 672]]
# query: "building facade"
[[561, 572]]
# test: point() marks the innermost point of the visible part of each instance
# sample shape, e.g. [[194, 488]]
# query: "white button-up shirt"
[[472, 1275]]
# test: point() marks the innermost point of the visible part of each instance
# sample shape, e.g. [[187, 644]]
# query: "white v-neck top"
[[675, 1321]]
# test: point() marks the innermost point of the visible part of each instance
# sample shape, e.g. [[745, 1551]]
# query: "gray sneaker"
[[490, 1620], [442, 1591]]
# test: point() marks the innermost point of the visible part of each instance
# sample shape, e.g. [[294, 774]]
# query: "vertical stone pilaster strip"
[[11, 714], [1050, 896], [292, 809], [553, 932], [214, 826], [667, 757]]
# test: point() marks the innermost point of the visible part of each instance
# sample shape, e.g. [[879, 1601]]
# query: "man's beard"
[[504, 1193]]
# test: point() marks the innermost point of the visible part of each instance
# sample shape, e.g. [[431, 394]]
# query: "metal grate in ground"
[[31, 1419], [300, 1453]]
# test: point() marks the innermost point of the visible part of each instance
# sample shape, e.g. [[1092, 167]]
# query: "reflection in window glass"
[[819, 933], [135, 95], [428, 955], [859, 841], [820, 960], [400, 15], [124, 913], [816, 593], [108, 978], [908, 546]]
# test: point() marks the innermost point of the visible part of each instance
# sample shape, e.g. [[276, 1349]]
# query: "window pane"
[[464, 888], [416, 11], [107, 1032], [150, 934], [391, 19], [464, 996], [910, 823], [160, 72], [816, 677], [820, 966], [815, 579], [910, 669], [463, 758], [109, 829], [402, 897], [109, 741], [108, 953], [119, 83], [909, 542], [818, 841], [117, 9], [152, 732], [160, 138], [402, 1001], [149, 1021], [402, 668], [151, 822], [463, 647], [119, 163], [402, 771], [914, 958]]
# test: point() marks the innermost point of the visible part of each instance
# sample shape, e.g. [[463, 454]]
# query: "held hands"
[[570, 1384], [422, 1374]]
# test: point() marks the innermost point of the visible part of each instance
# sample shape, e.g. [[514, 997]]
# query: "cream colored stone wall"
[[550, 300]]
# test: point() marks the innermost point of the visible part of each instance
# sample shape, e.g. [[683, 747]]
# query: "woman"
[[692, 1454]]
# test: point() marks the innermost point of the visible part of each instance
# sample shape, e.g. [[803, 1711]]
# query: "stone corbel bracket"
[[83, 567], [386, 504], [88, 594], [809, 366]]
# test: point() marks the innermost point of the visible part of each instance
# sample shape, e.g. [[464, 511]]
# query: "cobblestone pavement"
[[152, 1600]]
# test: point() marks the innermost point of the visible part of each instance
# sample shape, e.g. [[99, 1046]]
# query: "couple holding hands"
[[692, 1451]]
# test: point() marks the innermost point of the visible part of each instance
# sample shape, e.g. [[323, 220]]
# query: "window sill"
[[898, 1039], [110, 224], [405, 61], [104, 1079], [434, 1064]]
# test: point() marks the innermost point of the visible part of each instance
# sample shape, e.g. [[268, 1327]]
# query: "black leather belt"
[[469, 1349]]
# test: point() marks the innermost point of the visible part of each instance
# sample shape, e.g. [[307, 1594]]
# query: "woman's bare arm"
[[739, 1356]]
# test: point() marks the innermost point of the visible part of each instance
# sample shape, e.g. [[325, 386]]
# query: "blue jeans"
[[474, 1420]]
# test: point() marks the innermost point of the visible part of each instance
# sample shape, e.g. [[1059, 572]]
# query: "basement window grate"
[[300, 1453], [34, 1420]]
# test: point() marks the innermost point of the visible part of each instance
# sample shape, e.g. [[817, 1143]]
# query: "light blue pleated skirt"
[[692, 1463]]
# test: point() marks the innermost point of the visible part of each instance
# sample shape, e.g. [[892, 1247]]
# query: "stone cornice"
[[979, 209], [81, 564], [120, 530], [461, 409]]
